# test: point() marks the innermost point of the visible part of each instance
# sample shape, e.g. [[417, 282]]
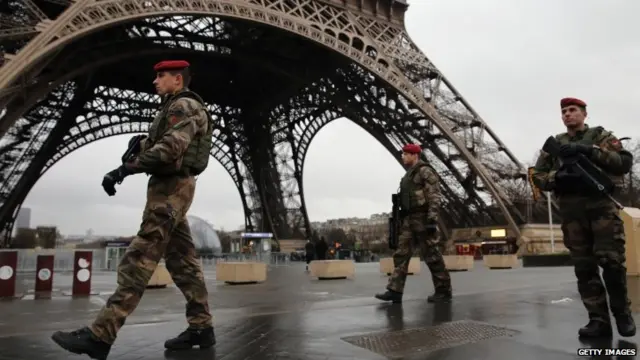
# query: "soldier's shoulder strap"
[[423, 165], [430, 166], [192, 95], [426, 165], [416, 169], [599, 134], [561, 135]]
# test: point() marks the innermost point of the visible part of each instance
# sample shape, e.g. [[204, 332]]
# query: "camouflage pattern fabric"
[[186, 118], [413, 234], [592, 228], [609, 155], [164, 230], [420, 190], [595, 237], [421, 183]]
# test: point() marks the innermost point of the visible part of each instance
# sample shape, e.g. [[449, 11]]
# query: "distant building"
[[44, 237], [23, 220]]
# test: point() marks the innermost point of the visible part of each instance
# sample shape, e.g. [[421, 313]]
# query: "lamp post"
[[553, 243]]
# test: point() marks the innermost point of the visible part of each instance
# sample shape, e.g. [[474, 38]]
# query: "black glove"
[[114, 177], [431, 227], [573, 149]]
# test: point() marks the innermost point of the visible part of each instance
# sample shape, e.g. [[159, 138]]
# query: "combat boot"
[[439, 297], [595, 329], [82, 341], [203, 338], [390, 295], [626, 325]]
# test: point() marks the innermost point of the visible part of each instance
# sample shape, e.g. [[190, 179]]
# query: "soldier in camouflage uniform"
[[419, 206], [176, 148], [592, 228]]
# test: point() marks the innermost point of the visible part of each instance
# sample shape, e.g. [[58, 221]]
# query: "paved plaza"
[[531, 313]]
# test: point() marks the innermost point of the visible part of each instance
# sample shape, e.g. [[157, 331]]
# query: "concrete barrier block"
[[332, 269], [160, 278], [241, 272], [631, 219]]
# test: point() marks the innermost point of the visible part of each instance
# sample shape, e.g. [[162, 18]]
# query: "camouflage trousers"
[[413, 234], [164, 231], [595, 237]]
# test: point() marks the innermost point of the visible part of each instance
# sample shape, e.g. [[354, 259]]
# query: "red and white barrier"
[[82, 273], [44, 276], [8, 266]]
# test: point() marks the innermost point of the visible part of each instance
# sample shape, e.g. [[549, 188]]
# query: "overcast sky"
[[512, 60]]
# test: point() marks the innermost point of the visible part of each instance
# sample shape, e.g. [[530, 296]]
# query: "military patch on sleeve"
[[176, 112], [615, 144]]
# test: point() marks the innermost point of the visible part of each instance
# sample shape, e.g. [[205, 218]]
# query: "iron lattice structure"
[[273, 72]]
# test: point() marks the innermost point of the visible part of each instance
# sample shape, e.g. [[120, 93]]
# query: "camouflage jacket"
[[420, 190], [164, 154], [608, 155]]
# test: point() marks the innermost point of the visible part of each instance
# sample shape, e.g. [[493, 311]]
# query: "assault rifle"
[[133, 150], [394, 222], [594, 178]]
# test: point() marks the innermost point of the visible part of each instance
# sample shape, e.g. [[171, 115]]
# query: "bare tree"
[[630, 194]]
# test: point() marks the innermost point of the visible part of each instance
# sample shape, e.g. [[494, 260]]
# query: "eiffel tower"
[[273, 73]]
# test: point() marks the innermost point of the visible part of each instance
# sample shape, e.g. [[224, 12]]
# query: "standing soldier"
[[321, 249], [175, 150], [591, 225], [419, 205], [309, 252]]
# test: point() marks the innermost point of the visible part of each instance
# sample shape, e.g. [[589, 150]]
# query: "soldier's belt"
[[186, 172], [413, 211]]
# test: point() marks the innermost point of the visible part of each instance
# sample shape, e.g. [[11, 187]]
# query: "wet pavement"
[[531, 313]]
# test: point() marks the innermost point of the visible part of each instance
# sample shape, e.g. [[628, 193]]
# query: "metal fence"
[[63, 260], [272, 259]]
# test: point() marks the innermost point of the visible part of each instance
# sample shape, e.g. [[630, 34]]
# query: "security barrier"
[[44, 276], [29, 273], [82, 273], [332, 269], [8, 265]]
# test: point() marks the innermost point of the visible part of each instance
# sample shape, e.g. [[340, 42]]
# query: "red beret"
[[412, 149], [572, 101], [171, 65]]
